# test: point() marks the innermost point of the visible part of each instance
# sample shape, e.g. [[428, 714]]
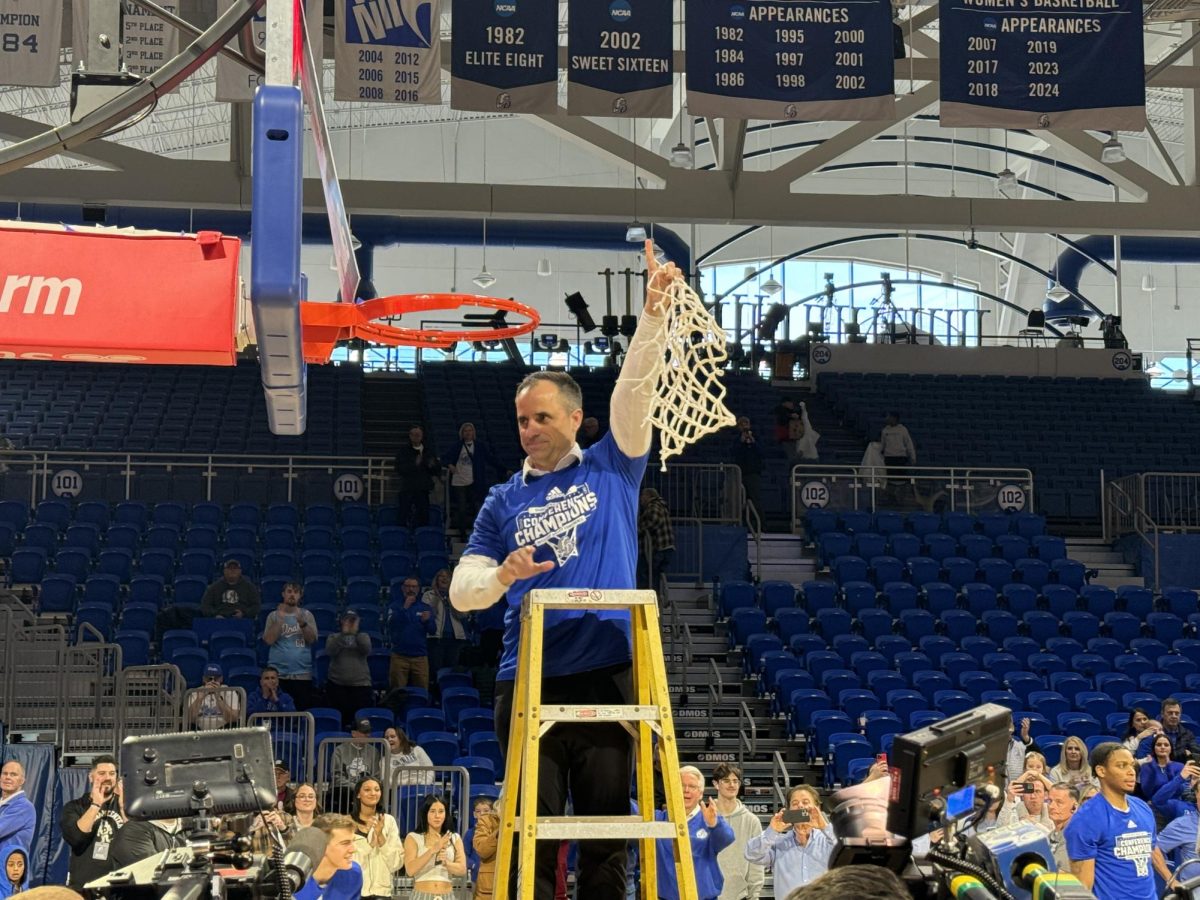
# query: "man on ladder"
[[568, 520]]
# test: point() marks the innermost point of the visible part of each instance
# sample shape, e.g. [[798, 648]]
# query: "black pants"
[[300, 690], [349, 699], [465, 502], [414, 508], [591, 762], [895, 467]]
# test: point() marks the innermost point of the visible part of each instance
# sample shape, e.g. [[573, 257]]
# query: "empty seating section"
[[945, 613], [1020, 421]]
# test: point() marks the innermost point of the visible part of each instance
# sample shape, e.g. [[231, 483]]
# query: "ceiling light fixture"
[[1112, 151], [1006, 180], [681, 155], [771, 286], [636, 232], [544, 269], [484, 279], [1058, 293]]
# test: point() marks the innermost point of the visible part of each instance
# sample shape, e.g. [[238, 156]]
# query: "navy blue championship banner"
[[504, 55], [388, 51], [619, 58], [790, 59], [1043, 64]]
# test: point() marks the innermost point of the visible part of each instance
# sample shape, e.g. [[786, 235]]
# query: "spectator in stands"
[[589, 432], [433, 854], [484, 842], [748, 458], [864, 880], [1159, 770], [656, 539], [449, 636], [290, 632], [784, 413], [17, 816], [1025, 801], [896, 444], [798, 853], [1062, 802], [231, 595], [1183, 742], [213, 706], [709, 834], [283, 785], [467, 464], [90, 823], [403, 756], [479, 807], [268, 697], [377, 847], [801, 444], [351, 761], [16, 868], [743, 879], [1035, 765], [569, 518], [1072, 765], [140, 839], [1140, 727], [349, 678], [1014, 762], [1111, 838], [303, 806], [409, 625], [416, 466], [337, 876], [1176, 804]]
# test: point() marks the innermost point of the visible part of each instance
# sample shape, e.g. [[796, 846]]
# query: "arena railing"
[[970, 489], [292, 735], [151, 700], [705, 492], [89, 695], [1151, 503], [38, 475], [747, 733]]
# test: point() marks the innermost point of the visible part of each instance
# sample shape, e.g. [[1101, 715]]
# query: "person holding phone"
[[709, 833], [798, 842], [1025, 801], [90, 823]]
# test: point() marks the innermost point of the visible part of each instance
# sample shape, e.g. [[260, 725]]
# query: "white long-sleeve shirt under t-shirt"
[[898, 442], [475, 584]]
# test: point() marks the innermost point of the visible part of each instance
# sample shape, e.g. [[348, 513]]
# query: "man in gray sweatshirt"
[[743, 879], [349, 680]]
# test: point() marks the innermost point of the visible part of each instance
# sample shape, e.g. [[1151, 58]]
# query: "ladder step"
[[590, 599], [600, 714], [574, 828]]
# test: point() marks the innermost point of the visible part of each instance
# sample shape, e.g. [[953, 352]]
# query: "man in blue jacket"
[[410, 623], [710, 834], [1176, 801], [17, 817]]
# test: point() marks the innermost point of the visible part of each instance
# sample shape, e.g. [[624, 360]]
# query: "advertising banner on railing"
[[30, 42], [790, 59], [504, 56], [1043, 64], [387, 51], [619, 58], [93, 295]]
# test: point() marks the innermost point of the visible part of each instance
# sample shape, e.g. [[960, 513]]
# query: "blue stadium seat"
[[954, 664], [1049, 703], [959, 571], [1069, 572], [832, 622], [28, 565], [356, 515], [1012, 547], [283, 514], [858, 596], [1023, 683], [975, 547], [1137, 601], [852, 698], [1049, 548], [777, 595], [885, 569], [1034, 573], [940, 546], [958, 623], [819, 595], [899, 595], [1089, 665], [1162, 686], [855, 521], [1122, 626], [892, 644], [1019, 598], [953, 702], [1061, 599], [1180, 601], [938, 597], [849, 568], [917, 623], [1188, 648], [922, 570], [934, 645], [846, 645], [979, 597], [135, 647], [996, 572], [57, 595], [1001, 664], [744, 622], [1097, 704], [930, 681], [1150, 648], [923, 523], [999, 624], [1133, 664], [924, 718], [909, 662], [1045, 663], [1164, 626], [958, 524], [802, 704], [844, 747], [904, 702], [735, 595], [832, 545], [1081, 626], [905, 546]]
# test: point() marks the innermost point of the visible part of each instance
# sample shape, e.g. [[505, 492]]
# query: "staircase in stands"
[[1111, 569], [391, 404]]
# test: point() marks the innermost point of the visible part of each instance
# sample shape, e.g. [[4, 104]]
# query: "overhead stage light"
[[484, 279], [681, 156], [1112, 150]]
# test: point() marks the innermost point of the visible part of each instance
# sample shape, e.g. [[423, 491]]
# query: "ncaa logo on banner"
[[814, 495], [737, 13], [504, 8], [1011, 497], [66, 483], [821, 354], [348, 486], [1122, 361], [991, 25], [620, 11]]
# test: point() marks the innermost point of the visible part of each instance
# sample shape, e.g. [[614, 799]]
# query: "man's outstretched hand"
[[657, 299], [519, 564]]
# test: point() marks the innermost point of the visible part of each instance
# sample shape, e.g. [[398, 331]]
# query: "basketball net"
[[687, 397]]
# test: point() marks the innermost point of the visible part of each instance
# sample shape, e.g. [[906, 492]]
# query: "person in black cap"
[[212, 705], [349, 678], [231, 596]]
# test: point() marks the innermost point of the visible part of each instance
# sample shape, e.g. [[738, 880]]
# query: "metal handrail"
[[1135, 504], [687, 662], [747, 742], [754, 527], [779, 773], [716, 691]]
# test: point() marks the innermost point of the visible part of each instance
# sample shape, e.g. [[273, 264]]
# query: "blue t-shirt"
[[289, 654], [584, 518], [1121, 844], [346, 884]]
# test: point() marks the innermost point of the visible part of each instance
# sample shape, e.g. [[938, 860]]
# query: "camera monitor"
[[936, 769], [166, 775]]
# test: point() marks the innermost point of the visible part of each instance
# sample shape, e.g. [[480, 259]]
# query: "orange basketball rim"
[[327, 324]]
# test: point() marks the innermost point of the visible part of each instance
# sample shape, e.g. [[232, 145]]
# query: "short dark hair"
[[102, 759], [294, 584], [864, 880], [568, 388], [268, 668], [724, 770], [1101, 753]]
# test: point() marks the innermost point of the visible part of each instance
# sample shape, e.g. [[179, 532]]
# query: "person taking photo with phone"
[[1025, 801], [710, 834], [797, 843]]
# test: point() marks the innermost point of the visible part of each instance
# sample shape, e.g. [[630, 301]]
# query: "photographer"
[[213, 706], [1025, 801], [1176, 803], [797, 844], [90, 823], [748, 458]]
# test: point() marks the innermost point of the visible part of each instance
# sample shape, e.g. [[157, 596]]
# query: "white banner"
[[388, 51], [236, 83], [30, 42]]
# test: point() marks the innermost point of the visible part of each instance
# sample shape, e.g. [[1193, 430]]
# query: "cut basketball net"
[[687, 397]]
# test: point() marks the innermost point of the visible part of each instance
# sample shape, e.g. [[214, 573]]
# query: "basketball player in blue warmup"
[[568, 519]]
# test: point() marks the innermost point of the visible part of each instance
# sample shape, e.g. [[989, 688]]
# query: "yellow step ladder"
[[650, 715]]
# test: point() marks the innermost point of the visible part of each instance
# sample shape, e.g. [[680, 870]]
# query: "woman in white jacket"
[[743, 879], [377, 847]]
